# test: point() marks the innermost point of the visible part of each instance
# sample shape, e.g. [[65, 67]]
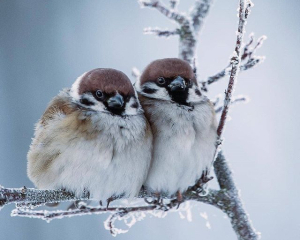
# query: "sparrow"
[[183, 125], [93, 137]]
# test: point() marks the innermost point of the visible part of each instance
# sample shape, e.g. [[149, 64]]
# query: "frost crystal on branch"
[[173, 3], [135, 73], [161, 33]]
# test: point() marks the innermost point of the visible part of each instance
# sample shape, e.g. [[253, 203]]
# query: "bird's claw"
[[109, 200], [159, 203], [200, 184], [177, 201]]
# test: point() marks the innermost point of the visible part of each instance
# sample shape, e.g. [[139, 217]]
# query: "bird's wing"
[[42, 151], [61, 104]]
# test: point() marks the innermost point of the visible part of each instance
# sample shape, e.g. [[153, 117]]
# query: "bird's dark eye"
[[99, 94], [161, 80]]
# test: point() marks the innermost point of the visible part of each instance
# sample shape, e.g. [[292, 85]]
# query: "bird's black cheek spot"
[[149, 90], [198, 92], [134, 105], [86, 102]]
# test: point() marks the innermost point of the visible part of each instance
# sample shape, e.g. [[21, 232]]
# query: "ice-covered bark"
[[231, 203], [31, 197], [25, 197], [161, 33]]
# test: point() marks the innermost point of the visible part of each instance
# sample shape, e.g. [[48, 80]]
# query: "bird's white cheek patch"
[[99, 106], [88, 101], [194, 95], [151, 90], [132, 107]]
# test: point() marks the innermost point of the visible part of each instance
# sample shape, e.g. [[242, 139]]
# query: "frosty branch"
[[31, 197], [189, 27], [28, 198], [248, 61], [235, 63], [235, 100]]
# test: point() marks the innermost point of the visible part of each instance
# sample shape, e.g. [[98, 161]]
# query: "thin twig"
[[174, 4], [235, 100], [189, 25], [51, 215], [171, 14], [235, 64], [248, 61], [199, 12], [161, 33]]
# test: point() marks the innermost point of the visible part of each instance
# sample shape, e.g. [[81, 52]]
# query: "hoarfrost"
[[158, 213], [208, 225], [185, 211], [205, 216]]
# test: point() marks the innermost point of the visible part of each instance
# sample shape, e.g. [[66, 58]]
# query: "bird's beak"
[[177, 85], [115, 103]]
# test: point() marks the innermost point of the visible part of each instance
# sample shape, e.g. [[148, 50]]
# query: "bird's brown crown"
[[107, 80], [167, 68]]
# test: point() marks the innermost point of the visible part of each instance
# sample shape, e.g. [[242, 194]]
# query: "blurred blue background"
[[46, 45]]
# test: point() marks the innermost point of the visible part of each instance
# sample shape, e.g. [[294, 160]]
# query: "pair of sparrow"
[[110, 138]]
